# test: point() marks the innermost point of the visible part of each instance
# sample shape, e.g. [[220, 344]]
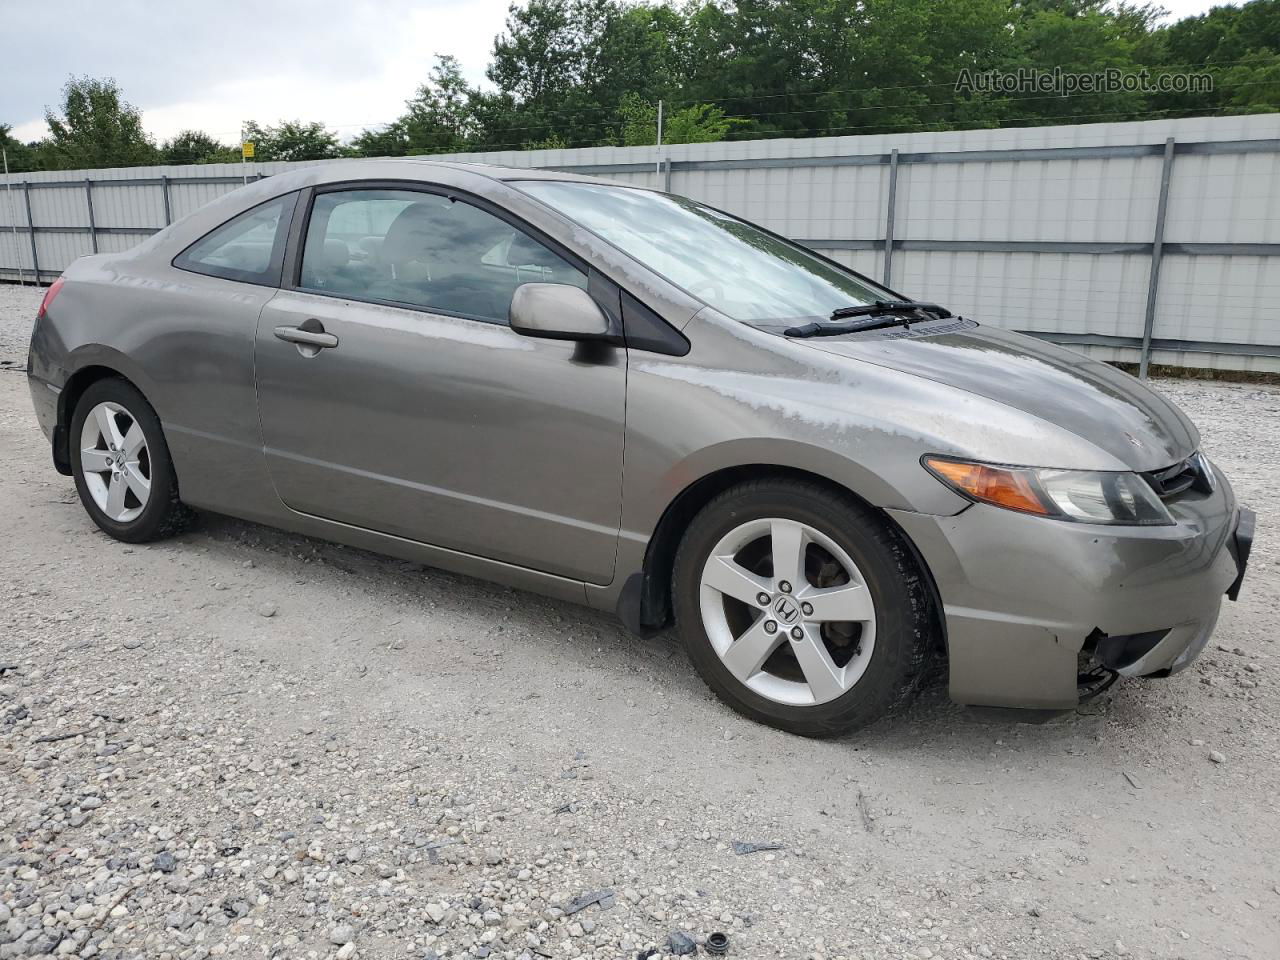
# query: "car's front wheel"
[[121, 464], [801, 607]]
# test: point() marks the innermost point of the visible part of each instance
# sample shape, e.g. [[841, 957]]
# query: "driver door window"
[[423, 250]]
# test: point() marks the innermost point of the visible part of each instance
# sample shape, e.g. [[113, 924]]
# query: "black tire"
[[904, 618], [163, 514]]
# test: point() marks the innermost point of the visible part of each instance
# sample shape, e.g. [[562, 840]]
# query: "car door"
[[394, 396]]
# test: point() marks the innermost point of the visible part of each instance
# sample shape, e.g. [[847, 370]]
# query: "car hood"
[[1108, 408]]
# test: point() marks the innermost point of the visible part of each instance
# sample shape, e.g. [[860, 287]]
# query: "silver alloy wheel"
[[749, 616], [115, 462]]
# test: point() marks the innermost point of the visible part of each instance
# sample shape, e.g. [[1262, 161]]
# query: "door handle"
[[307, 338]]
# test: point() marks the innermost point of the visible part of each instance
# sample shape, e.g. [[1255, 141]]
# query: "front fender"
[[835, 465], [744, 397]]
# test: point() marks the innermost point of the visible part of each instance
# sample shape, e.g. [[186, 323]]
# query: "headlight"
[[1085, 496]]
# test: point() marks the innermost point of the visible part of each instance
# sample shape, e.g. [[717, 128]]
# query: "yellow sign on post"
[[246, 150]]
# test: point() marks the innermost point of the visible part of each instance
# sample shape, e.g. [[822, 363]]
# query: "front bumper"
[[1023, 596]]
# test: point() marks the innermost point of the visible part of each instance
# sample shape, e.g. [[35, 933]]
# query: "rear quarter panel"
[[186, 341]]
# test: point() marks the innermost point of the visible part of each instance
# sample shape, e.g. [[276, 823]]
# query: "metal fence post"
[[164, 189], [888, 217], [13, 219], [657, 167], [1157, 250], [666, 175], [93, 227], [31, 230]]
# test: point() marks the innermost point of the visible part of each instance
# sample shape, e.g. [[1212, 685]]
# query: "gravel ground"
[[242, 742]]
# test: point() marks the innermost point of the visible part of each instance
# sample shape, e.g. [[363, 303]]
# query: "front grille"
[[1192, 473]]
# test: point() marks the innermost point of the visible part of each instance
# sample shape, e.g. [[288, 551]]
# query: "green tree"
[[554, 142], [22, 156], [1081, 38], [906, 85], [1252, 86], [548, 46], [390, 141], [563, 67], [588, 72], [293, 140], [700, 123], [504, 124], [196, 146], [639, 53], [441, 117], [540, 66], [1238, 46], [97, 128], [774, 62]]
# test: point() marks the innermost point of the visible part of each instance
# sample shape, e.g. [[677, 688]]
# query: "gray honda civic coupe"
[[637, 402]]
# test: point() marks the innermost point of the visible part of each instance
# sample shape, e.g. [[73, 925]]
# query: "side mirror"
[[557, 311]]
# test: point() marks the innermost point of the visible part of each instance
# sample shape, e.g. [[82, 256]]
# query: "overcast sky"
[[210, 64]]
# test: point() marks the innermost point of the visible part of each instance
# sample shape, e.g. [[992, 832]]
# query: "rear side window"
[[249, 248], [423, 250]]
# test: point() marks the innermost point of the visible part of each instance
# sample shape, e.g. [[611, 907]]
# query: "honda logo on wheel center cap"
[[786, 610]]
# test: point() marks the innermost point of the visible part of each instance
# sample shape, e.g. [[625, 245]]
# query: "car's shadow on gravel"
[[923, 726]]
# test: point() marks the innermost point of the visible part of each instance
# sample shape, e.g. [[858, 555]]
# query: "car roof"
[[373, 167]]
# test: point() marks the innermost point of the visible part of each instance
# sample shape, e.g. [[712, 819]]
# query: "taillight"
[[48, 298]]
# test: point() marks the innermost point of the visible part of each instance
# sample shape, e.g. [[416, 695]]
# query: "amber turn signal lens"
[[1001, 486]]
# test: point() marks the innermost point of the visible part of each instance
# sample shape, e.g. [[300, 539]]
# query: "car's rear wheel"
[[121, 464], [801, 607]]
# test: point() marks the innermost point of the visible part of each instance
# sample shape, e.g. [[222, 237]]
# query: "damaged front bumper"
[[1162, 653], [1027, 600]]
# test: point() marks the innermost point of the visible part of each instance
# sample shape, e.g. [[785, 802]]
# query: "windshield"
[[727, 263]]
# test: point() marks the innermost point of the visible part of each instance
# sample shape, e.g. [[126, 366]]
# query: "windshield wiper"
[[882, 313], [891, 306]]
